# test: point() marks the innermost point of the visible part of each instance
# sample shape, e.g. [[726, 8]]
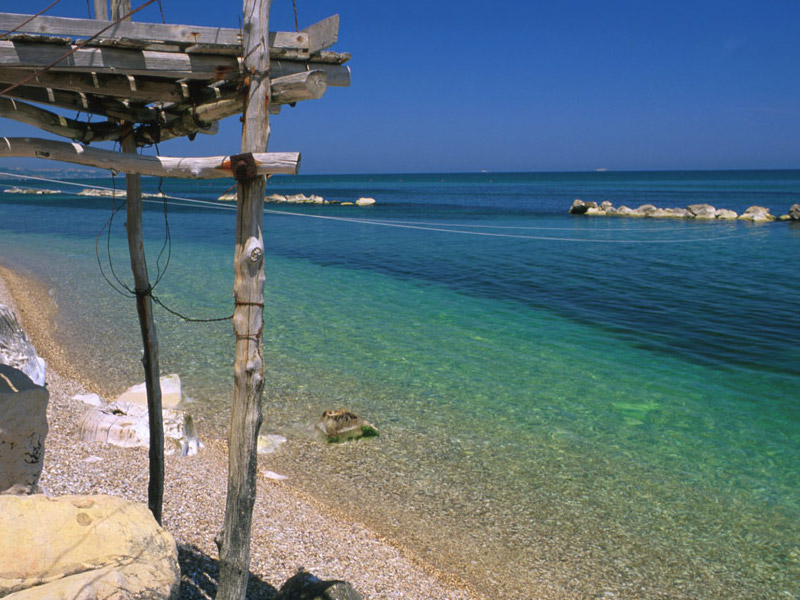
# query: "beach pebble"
[[273, 475], [269, 442], [90, 399]]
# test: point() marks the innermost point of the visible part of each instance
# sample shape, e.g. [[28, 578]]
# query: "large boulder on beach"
[[84, 548], [23, 428], [126, 424], [306, 586], [16, 349], [757, 214], [702, 211]]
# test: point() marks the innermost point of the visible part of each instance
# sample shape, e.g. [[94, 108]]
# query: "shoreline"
[[290, 528]]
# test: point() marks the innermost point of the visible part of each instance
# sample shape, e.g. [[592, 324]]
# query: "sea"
[[568, 406]]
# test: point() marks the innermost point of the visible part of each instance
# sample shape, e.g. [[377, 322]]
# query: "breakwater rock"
[[758, 214]]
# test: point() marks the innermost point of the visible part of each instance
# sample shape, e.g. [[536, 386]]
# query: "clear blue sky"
[[531, 86]]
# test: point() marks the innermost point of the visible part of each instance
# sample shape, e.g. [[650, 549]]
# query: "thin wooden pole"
[[120, 8], [101, 10], [248, 290], [144, 306]]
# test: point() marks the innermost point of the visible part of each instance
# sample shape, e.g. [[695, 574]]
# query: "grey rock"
[[794, 212], [726, 214], [579, 207], [23, 428], [624, 211], [306, 586], [16, 349], [342, 425], [606, 205], [702, 211], [758, 214], [645, 210]]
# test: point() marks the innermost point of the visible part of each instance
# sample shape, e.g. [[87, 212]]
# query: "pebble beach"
[[290, 529]]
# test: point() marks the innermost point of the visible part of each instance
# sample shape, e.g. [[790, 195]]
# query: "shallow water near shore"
[[569, 406]]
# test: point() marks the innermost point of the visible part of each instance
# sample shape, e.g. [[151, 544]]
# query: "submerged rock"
[[84, 547], [23, 428], [342, 425], [171, 394], [16, 349]]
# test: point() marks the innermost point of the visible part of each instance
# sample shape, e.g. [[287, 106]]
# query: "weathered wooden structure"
[[149, 83]]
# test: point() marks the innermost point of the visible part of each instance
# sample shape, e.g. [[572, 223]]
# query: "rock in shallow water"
[[342, 425]]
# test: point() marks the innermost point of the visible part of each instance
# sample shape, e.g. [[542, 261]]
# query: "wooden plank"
[[248, 318], [209, 167], [118, 60], [144, 90], [88, 103], [153, 32], [57, 124], [322, 35], [120, 8], [308, 85], [337, 75]]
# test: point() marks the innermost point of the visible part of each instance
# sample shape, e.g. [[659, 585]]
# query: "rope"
[[41, 12], [69, 53], [294, 6]]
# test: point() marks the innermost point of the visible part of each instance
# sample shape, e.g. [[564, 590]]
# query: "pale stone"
[[90, 399], [645, 210], [347, 204], [624, 211], [269, 442], [606, 205], [593, 210], [677, 213], [170, 392], [126, 424], [365, 201], [579, 207], [794, 212], [23, 428], [758, 214], [275, 198], [726, 214], [273, 475], [84, 548], [16, 349], [702, 211]]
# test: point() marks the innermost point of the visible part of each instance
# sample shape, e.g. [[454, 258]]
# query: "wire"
[[294, 6]]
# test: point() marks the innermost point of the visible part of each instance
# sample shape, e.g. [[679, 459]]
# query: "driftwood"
[[208, 167], [248, 318]]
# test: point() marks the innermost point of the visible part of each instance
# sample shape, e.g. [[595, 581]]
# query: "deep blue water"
[[568, 405]]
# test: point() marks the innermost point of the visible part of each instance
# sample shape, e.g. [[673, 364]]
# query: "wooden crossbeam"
[[209, 167], [152, 32], [88, 103], [148, 63], [57, 124]]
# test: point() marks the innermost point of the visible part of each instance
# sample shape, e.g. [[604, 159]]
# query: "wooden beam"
[[152, 32], [337, 75], [248, 317], [100, 12], [323, 35], [209, 167], [175, 65], [57, 124], [308, 85], [144, 90], [88, 103], [120, 8]]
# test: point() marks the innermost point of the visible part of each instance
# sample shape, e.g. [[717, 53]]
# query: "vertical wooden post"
[[101, 10], [248, 290], [120, 8], [144, 306]]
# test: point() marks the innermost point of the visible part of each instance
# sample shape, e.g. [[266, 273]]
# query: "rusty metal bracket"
[[243, 166]]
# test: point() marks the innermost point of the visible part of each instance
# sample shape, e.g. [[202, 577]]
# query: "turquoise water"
[[569, 405]]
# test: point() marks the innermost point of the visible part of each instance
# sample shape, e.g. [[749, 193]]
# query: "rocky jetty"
[[32, 191], [707, 212]]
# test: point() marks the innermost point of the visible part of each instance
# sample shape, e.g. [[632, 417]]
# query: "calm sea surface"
[[569, 406]]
